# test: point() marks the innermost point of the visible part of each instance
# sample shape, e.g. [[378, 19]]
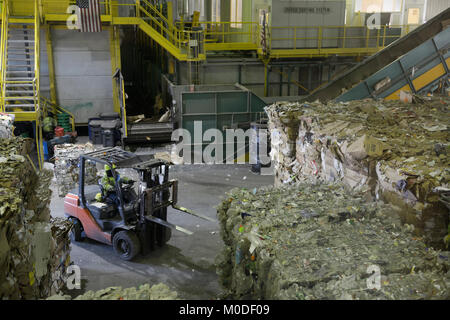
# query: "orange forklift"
[[137, 221]]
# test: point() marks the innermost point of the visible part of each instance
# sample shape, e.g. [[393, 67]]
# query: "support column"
[[114, 42], [266, 77], [51, 66], [281, 82]]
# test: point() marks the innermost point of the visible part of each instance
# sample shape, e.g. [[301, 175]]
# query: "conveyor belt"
[[403, 62]]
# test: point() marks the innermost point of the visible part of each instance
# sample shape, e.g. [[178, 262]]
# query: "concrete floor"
[[186, 264]]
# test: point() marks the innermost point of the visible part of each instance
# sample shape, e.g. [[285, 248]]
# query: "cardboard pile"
[[395, 151], [284, 119], [31, 246], [321, 241], [66, 166], [6, 126], [143, 292]]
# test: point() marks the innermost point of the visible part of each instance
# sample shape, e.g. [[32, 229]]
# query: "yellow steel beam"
[[163, 42], [396, 95], [309, 53], [21, 20], [429, 76], [230, 46], [51, 66], [115, 63], [24, 116]]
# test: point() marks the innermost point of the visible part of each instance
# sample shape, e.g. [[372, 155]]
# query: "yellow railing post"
[[38, 111], [345, 37], [138, 9], [320, 37], [4, 50], [367, 37], [378, 38], [384, 36], [295, 37]]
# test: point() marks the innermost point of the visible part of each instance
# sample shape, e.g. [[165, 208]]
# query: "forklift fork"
[[151, 206]]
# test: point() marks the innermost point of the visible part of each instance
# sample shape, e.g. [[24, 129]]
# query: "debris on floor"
[[395, 151], [143, 292], [323, 241], [34, 250], [66, 166]]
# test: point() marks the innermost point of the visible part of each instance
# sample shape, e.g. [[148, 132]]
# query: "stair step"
[[19, 55], [20, 79], [17, 59], [21, 51], [19, 91], [18, 98], [20, 34], [19, 71], [25, 41], [14, 85], [23, 32], [20, 106], [21, 47], [19, 66]]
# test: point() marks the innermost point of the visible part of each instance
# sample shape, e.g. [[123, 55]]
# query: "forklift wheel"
[[126, 244], [76, 230]]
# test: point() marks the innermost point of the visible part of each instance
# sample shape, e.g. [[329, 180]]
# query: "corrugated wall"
[[434, 7]]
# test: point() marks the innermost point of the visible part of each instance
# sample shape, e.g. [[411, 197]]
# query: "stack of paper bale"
[[393, 150], [143, 292], [283, 127], [6, 126], [321, 241], [28, 250], [60, 258], [66, 166]]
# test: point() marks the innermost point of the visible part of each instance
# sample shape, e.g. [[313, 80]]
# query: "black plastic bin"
[[96, 131], [108, 137], [110, 132]]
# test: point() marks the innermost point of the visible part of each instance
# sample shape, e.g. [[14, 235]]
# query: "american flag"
[[89, 16]]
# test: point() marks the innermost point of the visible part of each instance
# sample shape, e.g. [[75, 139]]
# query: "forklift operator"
[[108, 184]]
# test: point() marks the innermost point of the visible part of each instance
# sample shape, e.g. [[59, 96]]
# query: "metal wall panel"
[[82, 71], [298, 13], [434, 7]]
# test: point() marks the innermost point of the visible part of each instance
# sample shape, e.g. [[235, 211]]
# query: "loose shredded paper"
[[319, 241], [393, 150], [34, 249], [143, 292]]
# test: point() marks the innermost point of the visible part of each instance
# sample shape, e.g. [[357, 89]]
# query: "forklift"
[[137, 222]]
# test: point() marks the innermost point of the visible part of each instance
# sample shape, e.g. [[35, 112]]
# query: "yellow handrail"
[[4, 50], [37, 51]]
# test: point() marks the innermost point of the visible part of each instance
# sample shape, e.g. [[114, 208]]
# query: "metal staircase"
[[19, 73], [185, 45]]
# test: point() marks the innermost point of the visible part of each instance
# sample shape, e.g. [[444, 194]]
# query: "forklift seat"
[[101, 211]]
